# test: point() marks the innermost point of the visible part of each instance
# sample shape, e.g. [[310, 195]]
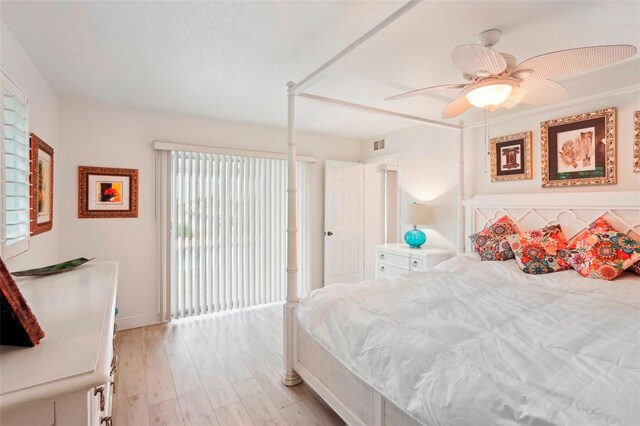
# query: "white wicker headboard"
[[572, 211]]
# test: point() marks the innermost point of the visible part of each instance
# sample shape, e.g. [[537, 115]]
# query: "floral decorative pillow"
[[538, 251], [491, 243], [635, 268], [602, 252]]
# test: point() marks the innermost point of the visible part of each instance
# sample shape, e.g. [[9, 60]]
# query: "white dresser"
[[398, 259], [68, 378]]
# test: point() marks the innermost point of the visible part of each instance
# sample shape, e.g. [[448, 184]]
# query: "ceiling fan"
[[496, 80]]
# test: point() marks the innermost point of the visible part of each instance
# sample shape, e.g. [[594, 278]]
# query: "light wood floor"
[[221, 369]]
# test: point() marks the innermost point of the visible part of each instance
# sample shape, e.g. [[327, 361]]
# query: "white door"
[[343, 222]]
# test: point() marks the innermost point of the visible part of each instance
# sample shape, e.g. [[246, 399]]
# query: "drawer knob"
[[100, 391], [381, 255], [382, 269], [415, 263]]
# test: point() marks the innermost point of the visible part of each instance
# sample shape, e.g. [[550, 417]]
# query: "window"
[[14, 163], [229, 232]]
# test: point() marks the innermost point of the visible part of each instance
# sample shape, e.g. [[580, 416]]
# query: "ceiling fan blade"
[[573, 61], [456, 107], [472, 58], [426, 89], [542, 92]]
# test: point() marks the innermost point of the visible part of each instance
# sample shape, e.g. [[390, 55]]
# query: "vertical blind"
[[228, 232], [15, 170]]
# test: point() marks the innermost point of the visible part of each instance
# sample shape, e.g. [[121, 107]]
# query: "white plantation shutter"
[[14, 163], [228, 232]]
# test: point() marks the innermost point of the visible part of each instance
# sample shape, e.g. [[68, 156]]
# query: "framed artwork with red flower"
[[105, 192]]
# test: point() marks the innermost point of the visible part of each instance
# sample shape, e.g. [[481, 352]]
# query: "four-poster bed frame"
[[289, 375], [360, 404]]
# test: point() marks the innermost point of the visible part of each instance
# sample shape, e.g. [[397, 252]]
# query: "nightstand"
[[399, 259]]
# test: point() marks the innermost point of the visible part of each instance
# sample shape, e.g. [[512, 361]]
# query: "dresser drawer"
[[392, 259]]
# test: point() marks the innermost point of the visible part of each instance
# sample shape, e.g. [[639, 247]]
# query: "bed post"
[[461, 190], [289, 376]]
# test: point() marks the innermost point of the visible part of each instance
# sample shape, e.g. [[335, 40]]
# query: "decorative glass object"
[[416, 214], [415, 237]]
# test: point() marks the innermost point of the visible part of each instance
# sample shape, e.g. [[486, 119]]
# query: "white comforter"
[[481, 343]]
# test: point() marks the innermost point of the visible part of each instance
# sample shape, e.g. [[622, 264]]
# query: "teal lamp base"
[[415, 237]]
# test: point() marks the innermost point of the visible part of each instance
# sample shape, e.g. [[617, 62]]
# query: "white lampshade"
[[416, 214], [489, 95]]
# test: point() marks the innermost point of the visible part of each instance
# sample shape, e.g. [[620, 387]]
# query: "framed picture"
[[41, 180], [105, 192], [580, 149], [19, 327], [511, 157], [636, 141]]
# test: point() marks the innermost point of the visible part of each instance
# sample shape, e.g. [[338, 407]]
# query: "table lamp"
[[416, 214]]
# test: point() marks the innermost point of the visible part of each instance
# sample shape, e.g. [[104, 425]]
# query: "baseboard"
[[138, 321]]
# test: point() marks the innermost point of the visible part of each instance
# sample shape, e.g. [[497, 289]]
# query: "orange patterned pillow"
[[491, 243], [602, 252], [635, 268], [538, 251]]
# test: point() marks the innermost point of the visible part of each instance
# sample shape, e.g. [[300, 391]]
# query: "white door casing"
[[343, 222]]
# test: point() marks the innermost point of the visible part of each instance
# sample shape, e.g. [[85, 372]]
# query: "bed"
[[473, 342]]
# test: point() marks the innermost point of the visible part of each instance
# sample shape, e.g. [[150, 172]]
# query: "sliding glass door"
[[228, 232]]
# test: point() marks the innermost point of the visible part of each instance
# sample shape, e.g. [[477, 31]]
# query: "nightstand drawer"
[[392, 259], [398, 259], [384, 270]]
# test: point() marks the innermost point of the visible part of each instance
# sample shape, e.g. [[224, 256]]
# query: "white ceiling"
[[231, 60]]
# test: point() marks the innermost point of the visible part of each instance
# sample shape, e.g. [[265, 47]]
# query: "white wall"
[[428, 161], [94, 134], [427, 172], [43, 121], [374, 207], [480, 182]]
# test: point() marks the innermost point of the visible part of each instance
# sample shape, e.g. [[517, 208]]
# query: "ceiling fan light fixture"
[[489, 93]]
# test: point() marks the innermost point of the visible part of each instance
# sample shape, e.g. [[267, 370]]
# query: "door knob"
[[328, 233]]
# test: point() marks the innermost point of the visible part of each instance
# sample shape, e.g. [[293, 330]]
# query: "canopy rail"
[[374, 110], [298, 88]]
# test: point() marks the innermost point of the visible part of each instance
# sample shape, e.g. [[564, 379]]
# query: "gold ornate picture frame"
[[511, 157], [41, 182], [105, 192], [579, 149], [636, 141]]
